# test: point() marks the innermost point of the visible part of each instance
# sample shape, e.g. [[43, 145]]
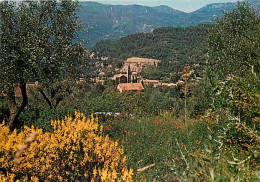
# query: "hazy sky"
[[183, 5]]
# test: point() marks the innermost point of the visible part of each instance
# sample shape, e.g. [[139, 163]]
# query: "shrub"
[[41, 118], [76, 150]]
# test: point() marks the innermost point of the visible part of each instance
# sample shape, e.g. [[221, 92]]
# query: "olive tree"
[[38, 42], [233, 61]]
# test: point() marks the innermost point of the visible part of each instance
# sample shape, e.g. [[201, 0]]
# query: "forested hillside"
[[174, 46], [104, 21], [114, 21], [56, 124]]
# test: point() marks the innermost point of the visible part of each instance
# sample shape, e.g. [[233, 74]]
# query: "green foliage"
[[234, 68], [234, 43], [208, 153], [115, 21], [174, 46], [3, 110], [158, 101], [232, 86], [174, 77], [42, 118], [38, 43], [152, 73]]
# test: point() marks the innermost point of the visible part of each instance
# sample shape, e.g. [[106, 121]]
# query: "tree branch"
[[45, 97]]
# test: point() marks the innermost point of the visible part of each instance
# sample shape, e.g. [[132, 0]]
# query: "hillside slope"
[[173, 46], [114, 21]]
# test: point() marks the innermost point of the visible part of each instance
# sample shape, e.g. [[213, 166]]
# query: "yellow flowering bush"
[[76, 150]]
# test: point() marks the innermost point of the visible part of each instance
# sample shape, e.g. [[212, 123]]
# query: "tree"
[[233, 46], [153, 73], [38, 42], [233, 61]]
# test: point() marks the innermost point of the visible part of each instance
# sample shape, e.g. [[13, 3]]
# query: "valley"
[[139, 94]]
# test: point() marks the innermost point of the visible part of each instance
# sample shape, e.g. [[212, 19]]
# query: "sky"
[[183, 5]]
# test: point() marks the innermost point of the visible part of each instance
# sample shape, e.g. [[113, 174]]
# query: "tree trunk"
[[14, 108], [52, 102], [45, 98]]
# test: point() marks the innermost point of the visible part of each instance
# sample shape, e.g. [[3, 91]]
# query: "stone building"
[[137, 64]]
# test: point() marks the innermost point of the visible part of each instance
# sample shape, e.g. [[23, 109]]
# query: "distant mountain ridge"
[[114, 21]]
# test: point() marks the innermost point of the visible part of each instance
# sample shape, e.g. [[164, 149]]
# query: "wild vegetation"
[[37, 44], [200, 130], [76, 150], [173, 46]]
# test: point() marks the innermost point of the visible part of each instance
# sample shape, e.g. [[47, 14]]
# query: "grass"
[[164, 148], [200, 155], [153, 140]]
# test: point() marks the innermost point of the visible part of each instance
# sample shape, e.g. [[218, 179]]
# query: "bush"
[[202, 150], [4, 113], [41, 118], [76, 150]]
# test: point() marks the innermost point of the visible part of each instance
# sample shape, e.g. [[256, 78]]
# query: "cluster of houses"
[[128, 78]]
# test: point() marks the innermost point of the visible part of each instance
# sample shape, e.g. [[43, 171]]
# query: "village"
[[129, 77], [171, 104]]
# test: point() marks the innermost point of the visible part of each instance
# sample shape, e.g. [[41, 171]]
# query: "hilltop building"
[[137, 64], [133, 66], [101, 74], [128, 77], [102, 82]]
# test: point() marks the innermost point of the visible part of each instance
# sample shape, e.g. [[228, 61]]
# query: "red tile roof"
[[102, 74], [130, 87]]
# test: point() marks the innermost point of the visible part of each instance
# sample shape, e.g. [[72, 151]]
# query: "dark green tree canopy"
[[38, 42], [233, 45], [234, 62]]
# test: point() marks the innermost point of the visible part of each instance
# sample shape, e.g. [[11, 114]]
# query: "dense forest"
[[59, 125], [174, 46]]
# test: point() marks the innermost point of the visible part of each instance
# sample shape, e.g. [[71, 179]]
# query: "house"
[[151, 82], [180, 82], [121, 78], [169, 84], [101, 74], [102, 82], [81, 80], [130, 87]]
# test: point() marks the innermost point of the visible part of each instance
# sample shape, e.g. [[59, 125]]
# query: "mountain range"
[[114, 21]]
